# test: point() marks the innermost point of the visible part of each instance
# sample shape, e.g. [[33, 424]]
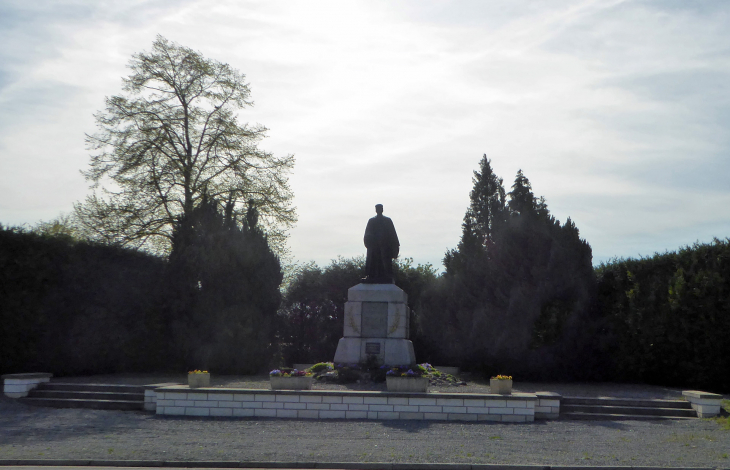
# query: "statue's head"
[[379, 208]]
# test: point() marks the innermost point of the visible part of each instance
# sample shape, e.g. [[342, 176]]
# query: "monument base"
[[393, 352], [376, 325]]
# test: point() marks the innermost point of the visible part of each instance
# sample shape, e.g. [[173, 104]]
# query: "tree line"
[[80, 307]]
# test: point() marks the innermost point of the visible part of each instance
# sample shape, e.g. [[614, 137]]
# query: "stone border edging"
[[316, 465]]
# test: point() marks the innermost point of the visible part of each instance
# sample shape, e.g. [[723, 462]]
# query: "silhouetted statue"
[[382, 244]]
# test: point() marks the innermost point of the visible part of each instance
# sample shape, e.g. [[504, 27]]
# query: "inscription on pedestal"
[[374, 319], [372, 348]]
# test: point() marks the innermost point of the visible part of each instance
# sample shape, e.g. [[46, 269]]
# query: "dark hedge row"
[[668, 317], [72, 307]]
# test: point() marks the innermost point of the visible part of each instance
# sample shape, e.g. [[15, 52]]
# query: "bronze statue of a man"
[[382, 244]]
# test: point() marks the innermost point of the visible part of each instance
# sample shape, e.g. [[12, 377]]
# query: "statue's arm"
[[393, 234], [367, 239], [394, 242]]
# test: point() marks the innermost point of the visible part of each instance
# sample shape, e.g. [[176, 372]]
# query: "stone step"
[[605, 408], [80, 403], [633, 402], [36, 393], [615, 417], [630, 410], [92, 396], [76, 387]]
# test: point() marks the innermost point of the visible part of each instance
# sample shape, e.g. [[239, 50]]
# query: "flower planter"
[[291, 383], [500, 386], [201, 379], [407, 384]]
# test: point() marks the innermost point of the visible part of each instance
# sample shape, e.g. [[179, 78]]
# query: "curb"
[[317, 465]]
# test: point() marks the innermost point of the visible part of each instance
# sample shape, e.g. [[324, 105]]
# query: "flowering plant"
[[198, 372], [503, 377], [403, 372], [290, 373]]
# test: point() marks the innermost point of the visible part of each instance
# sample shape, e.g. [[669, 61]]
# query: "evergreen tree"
[[486, 212], [487, 203], [225, 291], [521, 199], [515, 287]]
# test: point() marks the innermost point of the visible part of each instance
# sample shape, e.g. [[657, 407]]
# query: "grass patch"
[[687, 438], [724, 421]]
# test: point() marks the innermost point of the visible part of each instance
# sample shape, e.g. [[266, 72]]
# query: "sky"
[[617, 111]]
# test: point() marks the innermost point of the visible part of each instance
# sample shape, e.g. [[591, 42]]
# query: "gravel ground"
[[28, 432]]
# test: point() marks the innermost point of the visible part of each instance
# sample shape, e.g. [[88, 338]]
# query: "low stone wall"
[[150, 394], [705, 404], [18, 385], [548, 405], [328, 404]]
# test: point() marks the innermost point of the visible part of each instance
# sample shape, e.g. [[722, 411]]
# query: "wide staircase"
[[94, 396], [624, 408]]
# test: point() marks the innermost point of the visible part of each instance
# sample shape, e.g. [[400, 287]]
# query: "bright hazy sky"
[[617, 111]]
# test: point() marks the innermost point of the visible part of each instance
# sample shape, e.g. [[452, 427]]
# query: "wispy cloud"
[[615, 110]]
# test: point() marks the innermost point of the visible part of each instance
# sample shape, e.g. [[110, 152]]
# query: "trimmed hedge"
[[72, 307], [669, 317]]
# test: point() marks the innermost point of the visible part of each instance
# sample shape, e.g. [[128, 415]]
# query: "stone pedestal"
[[376, 324]]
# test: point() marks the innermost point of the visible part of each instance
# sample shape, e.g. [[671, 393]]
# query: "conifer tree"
[[514, 288], [487, 208], [521, 199], [486, 212], [224, 283]]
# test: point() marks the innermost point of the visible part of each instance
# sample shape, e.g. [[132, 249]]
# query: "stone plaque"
[[374, 319], [372, 348]]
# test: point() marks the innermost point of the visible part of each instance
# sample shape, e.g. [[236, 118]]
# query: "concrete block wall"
[[150, 395], [548, 405], [150, 400], [321, 404], [18, 385]]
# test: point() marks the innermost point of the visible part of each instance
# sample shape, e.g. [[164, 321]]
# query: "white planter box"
[[199, 380], [291, 383], [407, 384], [503, 387]]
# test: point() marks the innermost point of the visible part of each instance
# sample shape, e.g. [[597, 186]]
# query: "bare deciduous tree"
[[170, 137]]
